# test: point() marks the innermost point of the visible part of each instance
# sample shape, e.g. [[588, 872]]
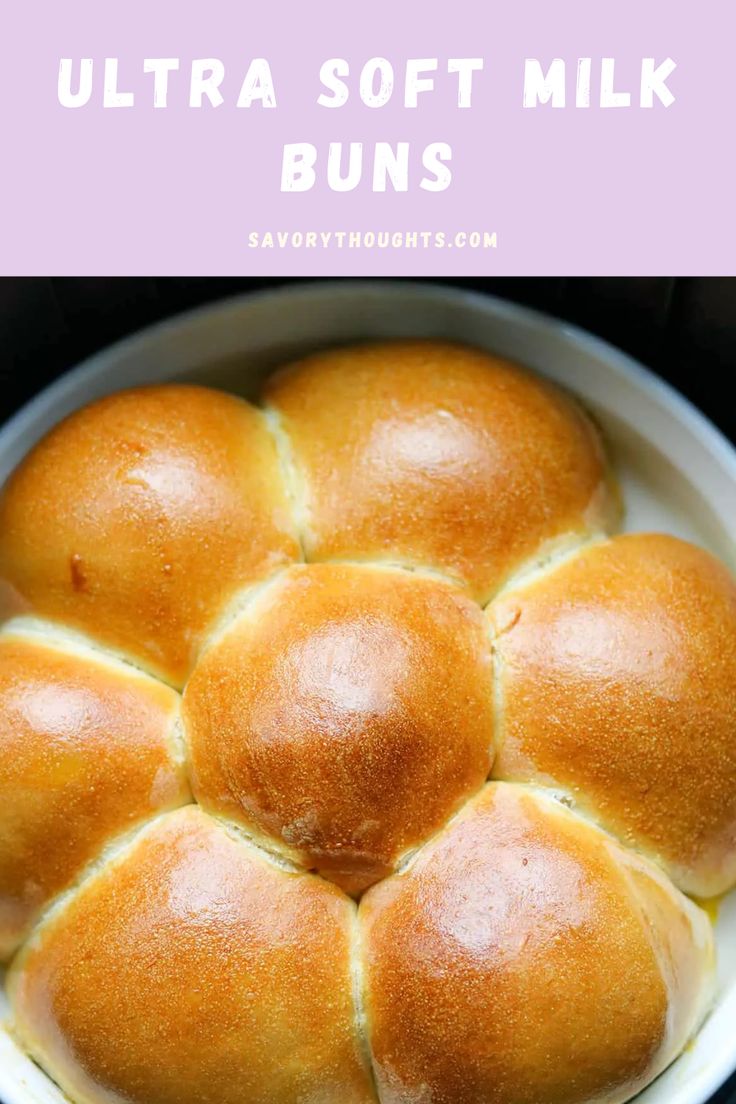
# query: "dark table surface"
[[682, 328]]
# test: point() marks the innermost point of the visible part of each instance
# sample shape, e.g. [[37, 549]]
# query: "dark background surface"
[[683, 328]]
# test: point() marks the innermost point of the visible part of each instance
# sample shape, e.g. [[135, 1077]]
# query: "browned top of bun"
[[193, 969], [519, 960], [618, 678], [341, 716], [346, 715], [438, 455], [137, 518], [85, 754]]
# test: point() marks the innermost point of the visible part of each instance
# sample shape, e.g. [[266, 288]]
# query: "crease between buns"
[[409, 504], [617, 674]]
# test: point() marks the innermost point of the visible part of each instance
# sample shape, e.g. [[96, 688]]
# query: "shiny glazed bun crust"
[[193, 969], [387, 583], [525, 956], [617, 673], [347, 714], [438, 455], [138, 518], [87, 751]]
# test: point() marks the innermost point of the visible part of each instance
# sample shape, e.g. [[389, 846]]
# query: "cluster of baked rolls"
[[345, 757]]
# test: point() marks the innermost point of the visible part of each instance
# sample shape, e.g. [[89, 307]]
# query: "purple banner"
[[393, 138]]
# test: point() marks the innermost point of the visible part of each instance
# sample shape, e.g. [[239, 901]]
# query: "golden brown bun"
[[137, 518], [438, 455], [347, 714], [193, 970], [527, 958], [339, 716], [85, 753], [618, 683]]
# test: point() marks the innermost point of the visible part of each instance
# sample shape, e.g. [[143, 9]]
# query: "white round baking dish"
[[677, 472]]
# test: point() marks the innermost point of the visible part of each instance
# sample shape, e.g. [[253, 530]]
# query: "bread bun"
[[137, 519], [525, 956], [438, 455], [617, 679], [191, 969], [384, 585], [346, 715], [87, 751]]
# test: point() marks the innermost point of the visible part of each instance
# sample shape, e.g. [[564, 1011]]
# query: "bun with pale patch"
[[526, 956], [439, 456], [617, 680], [345, 757], [138, 519], [88, 750], [191, 968], [346, 715]]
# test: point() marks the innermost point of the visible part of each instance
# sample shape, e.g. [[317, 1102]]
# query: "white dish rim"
[[22, 429]]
